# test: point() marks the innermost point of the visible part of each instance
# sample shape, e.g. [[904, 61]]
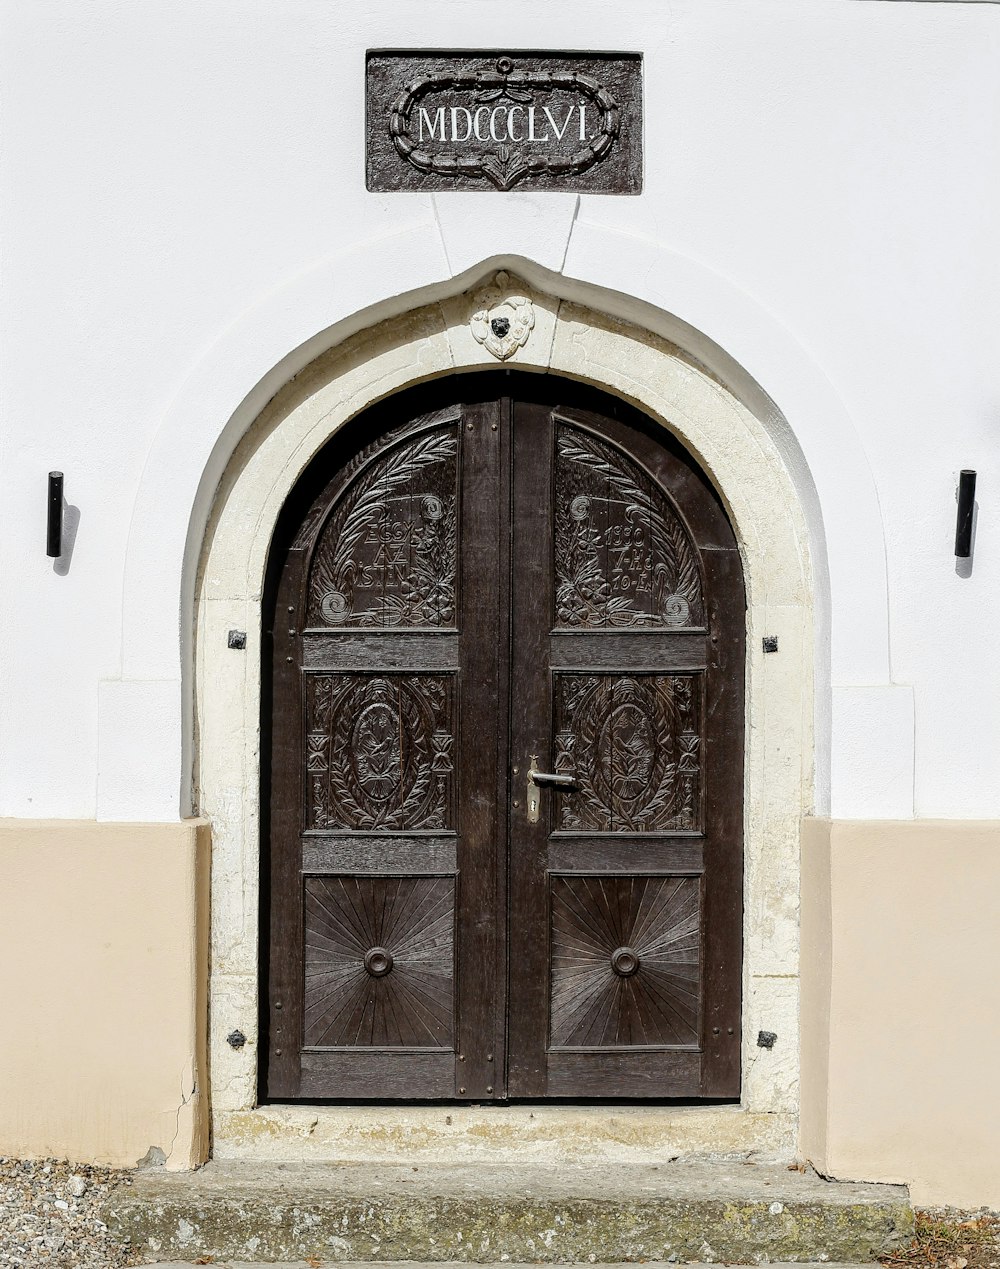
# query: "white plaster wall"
[[185, 220]]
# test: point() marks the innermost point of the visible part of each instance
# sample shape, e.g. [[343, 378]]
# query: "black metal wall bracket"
[[54, 528], [966, 507]]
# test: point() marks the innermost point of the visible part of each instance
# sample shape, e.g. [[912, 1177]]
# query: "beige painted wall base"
[[900, 1024], [501, 1134], [104, 948], [103, 939]]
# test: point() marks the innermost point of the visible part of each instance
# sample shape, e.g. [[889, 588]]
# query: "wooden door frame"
[[745, 463]]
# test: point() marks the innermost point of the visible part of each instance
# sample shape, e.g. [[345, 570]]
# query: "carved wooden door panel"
[[627, 620], [496, 586], [383, 840]]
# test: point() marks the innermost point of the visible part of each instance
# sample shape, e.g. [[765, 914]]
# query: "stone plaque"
[[504, 120]]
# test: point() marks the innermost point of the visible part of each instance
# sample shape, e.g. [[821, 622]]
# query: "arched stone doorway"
[[750, 476]]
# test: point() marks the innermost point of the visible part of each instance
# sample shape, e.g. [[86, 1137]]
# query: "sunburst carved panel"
[[379, 751], [379, 962], [626, 961], [633, 741], [388, 554], [623, 558]]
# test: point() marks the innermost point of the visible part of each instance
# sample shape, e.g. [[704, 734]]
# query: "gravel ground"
[[48, 1216], [947, 1238]]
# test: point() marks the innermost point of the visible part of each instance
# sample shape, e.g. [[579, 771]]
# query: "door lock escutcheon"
[[561, 783]]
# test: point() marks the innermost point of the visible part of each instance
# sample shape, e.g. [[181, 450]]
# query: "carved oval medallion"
[[376, 751], [626, 751]]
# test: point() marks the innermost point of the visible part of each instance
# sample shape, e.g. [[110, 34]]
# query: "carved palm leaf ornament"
[[623, 557], [388, 555]]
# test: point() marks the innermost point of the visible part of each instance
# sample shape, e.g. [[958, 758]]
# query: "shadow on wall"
[[70, 528]]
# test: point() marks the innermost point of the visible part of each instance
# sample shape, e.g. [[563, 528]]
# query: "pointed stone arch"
[[753, 476]]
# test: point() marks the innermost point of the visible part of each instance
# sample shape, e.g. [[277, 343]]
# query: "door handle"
[[546, 780], [553, 780]]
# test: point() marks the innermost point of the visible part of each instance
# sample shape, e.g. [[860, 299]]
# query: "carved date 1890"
[[491, 121]]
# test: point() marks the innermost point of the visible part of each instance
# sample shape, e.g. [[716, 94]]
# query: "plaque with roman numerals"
[[504, 120]]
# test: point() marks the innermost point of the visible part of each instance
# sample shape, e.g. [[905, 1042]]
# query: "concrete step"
[[684, 1211]]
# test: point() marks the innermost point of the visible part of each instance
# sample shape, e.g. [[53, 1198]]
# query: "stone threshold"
[[602, 1135], [740, 1213]]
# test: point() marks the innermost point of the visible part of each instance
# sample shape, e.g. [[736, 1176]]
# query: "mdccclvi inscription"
[[502, 121]]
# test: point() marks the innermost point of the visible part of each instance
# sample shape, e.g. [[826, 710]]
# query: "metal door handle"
[[553, 780], [546, 780]]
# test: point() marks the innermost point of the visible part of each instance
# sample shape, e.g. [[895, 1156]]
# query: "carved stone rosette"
[[501, 320]]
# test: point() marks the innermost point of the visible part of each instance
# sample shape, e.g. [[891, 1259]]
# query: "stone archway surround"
[[735, 447]]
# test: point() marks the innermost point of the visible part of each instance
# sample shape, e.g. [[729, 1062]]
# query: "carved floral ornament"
[[502, 319]]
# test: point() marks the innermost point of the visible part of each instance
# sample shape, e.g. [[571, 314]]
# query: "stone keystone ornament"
[[501, 321]]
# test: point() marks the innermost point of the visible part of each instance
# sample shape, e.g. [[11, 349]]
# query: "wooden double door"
[[503, 749]]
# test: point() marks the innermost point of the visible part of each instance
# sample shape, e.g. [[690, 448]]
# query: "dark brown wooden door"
[[501, 576]]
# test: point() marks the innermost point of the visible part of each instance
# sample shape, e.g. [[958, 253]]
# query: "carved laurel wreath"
[[505, 166]]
